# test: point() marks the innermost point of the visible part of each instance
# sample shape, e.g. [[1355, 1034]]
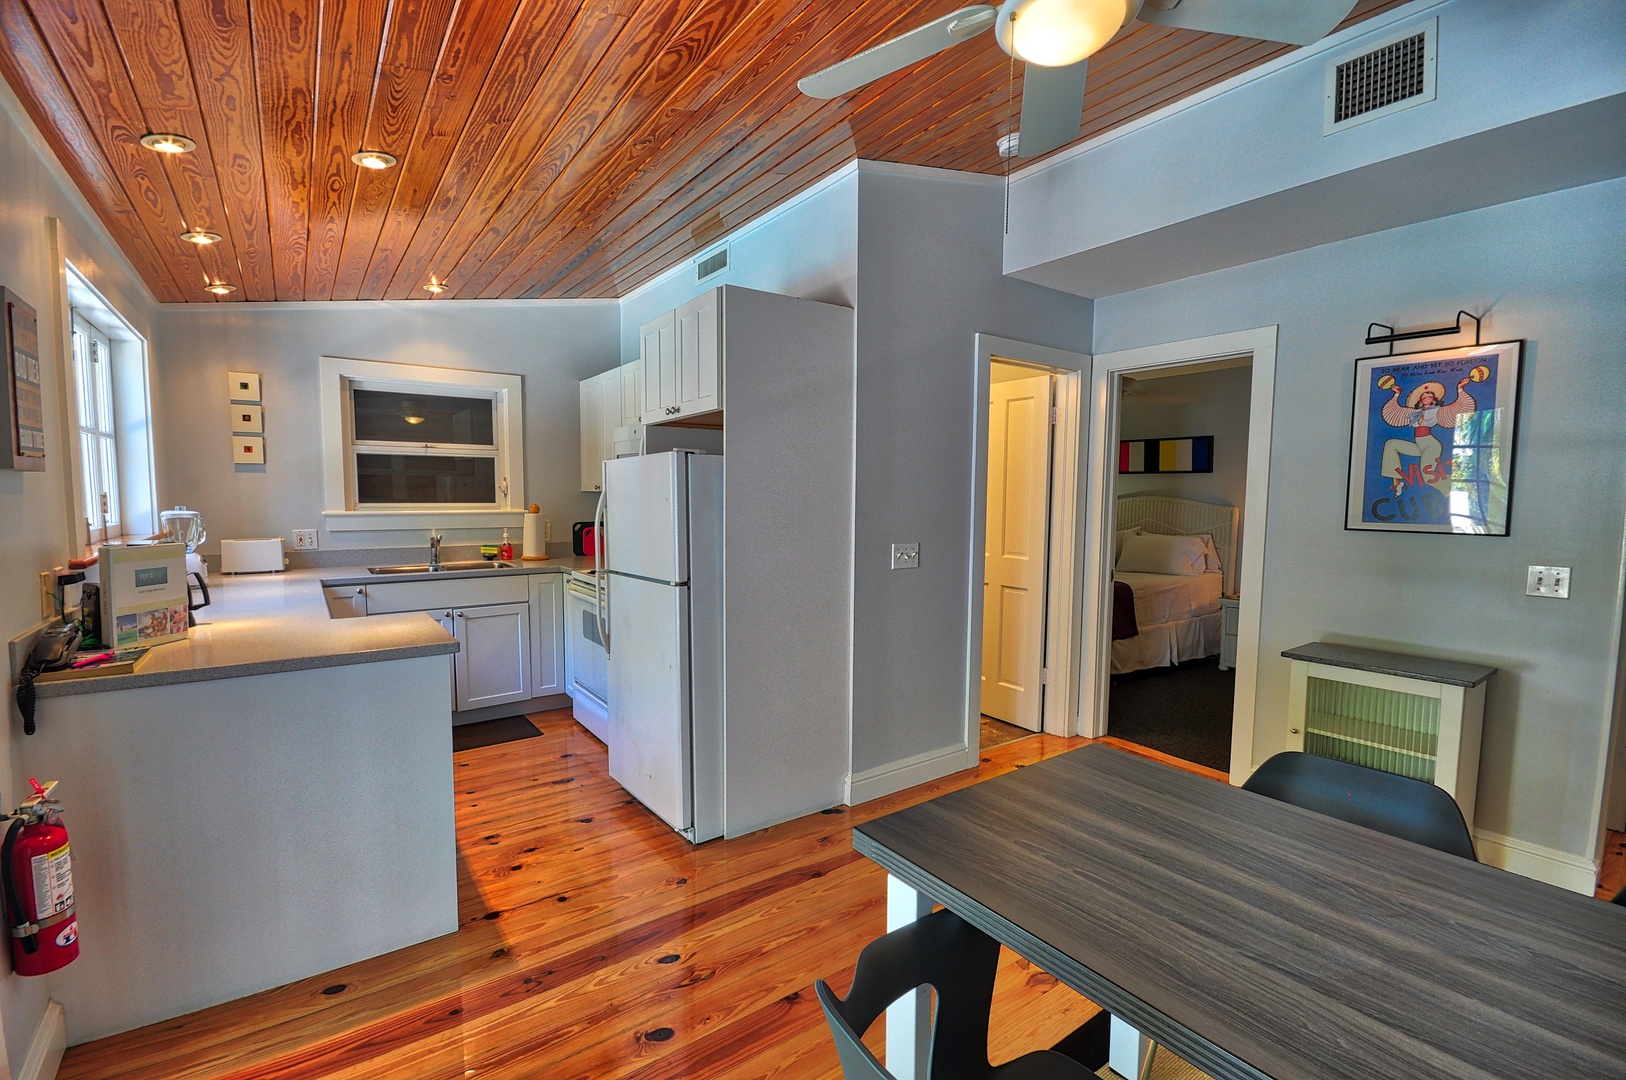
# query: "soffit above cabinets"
[[546, 148]]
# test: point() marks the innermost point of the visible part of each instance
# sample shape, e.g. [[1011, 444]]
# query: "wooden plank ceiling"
[[547, 148]]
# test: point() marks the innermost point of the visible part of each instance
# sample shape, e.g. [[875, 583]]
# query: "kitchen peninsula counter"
[[266, 801], [261, 624]]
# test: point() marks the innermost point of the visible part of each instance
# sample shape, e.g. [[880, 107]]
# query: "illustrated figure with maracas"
[[1423, 412]]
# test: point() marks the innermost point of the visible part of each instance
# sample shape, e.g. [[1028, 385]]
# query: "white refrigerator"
[[661, 610]]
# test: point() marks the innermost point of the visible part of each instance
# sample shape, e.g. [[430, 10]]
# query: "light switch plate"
[[305, 539], [1548, 581], [905, 556]]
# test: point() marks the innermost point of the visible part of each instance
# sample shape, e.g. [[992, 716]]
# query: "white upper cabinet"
[[600, 416], [682, 354], [632, 392], [657, 352]]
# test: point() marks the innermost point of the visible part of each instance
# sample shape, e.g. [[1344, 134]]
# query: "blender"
[[183, 526]]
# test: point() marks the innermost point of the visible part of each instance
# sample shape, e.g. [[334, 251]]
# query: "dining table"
[[1257, 939]]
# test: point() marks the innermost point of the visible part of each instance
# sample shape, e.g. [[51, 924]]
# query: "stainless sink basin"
[[425, 568]]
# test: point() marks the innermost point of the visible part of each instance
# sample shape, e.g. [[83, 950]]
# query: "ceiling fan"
[[1055, 39]]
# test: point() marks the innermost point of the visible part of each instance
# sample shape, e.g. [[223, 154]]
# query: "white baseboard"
[[1572, 872], [897, 775], [46, 1048]]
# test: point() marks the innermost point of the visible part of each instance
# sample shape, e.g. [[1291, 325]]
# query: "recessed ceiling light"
[[373, 159], [220, 288], [435, 285], [201, 237], [168, 144]]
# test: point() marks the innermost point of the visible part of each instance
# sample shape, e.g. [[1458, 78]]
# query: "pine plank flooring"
[[595, 943]]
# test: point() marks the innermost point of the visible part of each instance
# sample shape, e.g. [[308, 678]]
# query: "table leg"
[[1127, 1053], [909, 1021]]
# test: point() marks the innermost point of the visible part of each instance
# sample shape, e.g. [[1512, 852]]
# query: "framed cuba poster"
[[1431, 443]]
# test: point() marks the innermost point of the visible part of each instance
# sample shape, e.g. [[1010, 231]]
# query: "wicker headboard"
[[1184, 517]]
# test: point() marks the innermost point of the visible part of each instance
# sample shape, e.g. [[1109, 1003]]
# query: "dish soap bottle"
[[506, 551]]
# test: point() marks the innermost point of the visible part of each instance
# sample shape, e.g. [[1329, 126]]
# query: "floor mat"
[[1183, 711], [492, 732]]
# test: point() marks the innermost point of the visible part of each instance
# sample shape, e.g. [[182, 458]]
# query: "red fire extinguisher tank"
[[37, 874]]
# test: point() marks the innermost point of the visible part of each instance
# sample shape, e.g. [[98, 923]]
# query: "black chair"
[[958, 961], [1397, 805]]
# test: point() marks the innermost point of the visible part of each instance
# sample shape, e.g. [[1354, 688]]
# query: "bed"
[[1176, 616]]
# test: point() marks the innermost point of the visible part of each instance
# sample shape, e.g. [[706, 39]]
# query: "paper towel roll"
[[531, 546]]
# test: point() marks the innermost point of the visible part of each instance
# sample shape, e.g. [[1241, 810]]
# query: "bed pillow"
[[1149, 553], [1118, 541], [1210, 552]]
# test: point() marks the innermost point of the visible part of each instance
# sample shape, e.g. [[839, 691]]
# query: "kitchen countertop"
[[262, 624]]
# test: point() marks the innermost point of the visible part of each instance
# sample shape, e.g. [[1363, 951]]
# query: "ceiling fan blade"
[[900, 52], [1298, 22], [1052, 106]]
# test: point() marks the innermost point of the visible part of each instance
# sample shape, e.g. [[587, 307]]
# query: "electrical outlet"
[[905, 556], [1548, 581], [547, 530], [304, 539], [47, 593]]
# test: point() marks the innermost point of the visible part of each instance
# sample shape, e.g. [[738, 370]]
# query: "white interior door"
[[1013, 614]]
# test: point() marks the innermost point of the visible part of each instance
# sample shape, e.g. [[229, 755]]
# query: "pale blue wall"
[[1547, 269]]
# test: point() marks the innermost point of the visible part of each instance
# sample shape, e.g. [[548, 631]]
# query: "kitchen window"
[[98, 437], [417, 447], [110, 452]]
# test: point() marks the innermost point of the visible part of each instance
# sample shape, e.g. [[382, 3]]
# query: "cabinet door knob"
[[1293, 731]]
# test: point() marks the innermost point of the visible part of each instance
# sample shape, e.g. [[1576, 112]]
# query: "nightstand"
[[1228, 618]]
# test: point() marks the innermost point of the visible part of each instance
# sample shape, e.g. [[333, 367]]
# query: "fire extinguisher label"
[[69, 935], [53, 882]]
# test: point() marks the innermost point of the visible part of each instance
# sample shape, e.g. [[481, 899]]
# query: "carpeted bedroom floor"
[[1183, 711]]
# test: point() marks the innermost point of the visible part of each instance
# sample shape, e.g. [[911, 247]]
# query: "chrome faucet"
[[434, 550]]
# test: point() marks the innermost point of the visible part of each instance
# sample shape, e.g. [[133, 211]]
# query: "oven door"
[[588, 668]]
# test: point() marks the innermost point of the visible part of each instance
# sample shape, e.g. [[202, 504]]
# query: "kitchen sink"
[[425, 568]]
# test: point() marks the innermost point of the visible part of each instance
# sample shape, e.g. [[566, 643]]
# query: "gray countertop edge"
[[143, 679], [346, 577], [1359, 658]]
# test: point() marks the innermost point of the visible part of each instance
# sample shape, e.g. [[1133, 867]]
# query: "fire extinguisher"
[[36, 881]]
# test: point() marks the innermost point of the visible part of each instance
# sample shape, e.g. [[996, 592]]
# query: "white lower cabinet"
[[510, 629], [547, 638], [494, 665]]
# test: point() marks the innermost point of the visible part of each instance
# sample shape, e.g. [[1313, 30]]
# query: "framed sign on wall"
[[1431, 448], [24, 447]]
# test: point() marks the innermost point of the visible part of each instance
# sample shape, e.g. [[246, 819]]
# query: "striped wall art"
[[1194, 455]]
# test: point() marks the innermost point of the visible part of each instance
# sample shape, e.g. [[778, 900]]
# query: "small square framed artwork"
[[245, 386], [247, 420], [248, 450]]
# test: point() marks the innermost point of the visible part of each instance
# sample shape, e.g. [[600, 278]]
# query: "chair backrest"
[[941, 950], [1397, 805]]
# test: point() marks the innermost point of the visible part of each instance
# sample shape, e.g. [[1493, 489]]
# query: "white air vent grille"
[[715, 263], [1396, 74]]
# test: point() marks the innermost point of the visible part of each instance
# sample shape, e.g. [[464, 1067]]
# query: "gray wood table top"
[[1258, 939]]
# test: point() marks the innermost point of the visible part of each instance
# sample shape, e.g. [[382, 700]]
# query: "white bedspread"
[[1167, 598]]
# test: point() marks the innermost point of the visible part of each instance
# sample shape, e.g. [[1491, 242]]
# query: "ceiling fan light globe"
[[1057, 33]]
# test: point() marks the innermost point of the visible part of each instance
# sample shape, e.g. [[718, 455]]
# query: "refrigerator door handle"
[[599, 607]]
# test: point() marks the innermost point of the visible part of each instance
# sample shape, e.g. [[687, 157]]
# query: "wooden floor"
[[595, 942]]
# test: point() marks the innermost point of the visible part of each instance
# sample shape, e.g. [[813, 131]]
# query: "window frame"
[[95, 396], [341, 375]]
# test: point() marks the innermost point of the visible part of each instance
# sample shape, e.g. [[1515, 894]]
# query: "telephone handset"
[[53, 651]]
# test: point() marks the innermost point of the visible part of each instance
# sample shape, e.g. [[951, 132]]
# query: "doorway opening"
[[1166, 532], [1024, 669], [1177, 529]]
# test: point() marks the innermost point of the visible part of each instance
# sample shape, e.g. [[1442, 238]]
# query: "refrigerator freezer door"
[[651, 754], [646, 517]]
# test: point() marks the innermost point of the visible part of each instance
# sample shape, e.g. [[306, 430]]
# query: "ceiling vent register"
[[1396, 74], [712, 264]]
